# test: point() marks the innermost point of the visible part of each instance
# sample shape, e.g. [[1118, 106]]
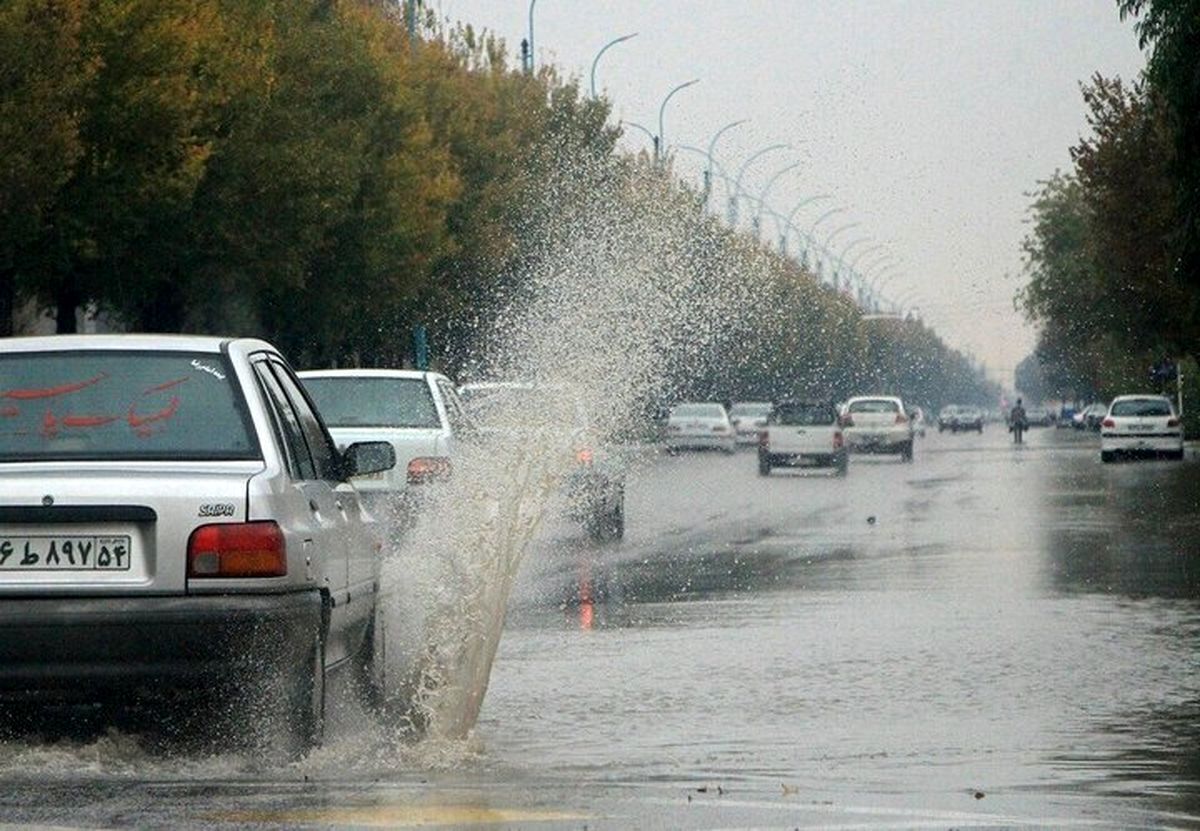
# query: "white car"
[[878, 424], [800, 434], [1141, 425], [177, 526], [418, 413], [748, 419], [699, 426]]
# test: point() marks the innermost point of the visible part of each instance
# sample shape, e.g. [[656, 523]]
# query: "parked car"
[[1141, 425], [748, 418], [1066, 416], [1038, 417], [699, 426], [799, 434], [417, 413], [595, 485], [878, 424], [176, 521]]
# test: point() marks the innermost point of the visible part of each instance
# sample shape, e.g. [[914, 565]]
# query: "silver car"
[[174, 517]]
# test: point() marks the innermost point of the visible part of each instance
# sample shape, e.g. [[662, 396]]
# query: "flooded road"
[[990, 636]]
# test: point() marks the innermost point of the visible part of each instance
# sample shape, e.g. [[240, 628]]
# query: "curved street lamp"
[[742, 172], [762, 194], [662, 139], [604, 49], [712, 146], [788, 226], [653, 138], [532, 3]]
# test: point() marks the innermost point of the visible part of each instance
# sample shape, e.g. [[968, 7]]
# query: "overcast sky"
[[928, 121]]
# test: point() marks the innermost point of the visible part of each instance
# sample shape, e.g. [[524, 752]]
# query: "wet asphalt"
[[990, 636]]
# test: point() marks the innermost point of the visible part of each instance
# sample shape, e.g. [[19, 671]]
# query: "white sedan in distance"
[[1141, 425], [699, 426], [748, 419]]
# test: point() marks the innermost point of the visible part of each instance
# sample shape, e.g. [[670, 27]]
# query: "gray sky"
[[927, 120]]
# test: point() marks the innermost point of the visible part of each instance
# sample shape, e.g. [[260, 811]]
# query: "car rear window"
[[121, 405], [698, 411], [350, 401], [875, 405], [804, 415], [1141, 407], [750, 409]]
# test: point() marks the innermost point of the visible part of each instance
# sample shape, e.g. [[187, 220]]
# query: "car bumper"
[[684, 440], [1150, 444], [877, 442], [68, 647]]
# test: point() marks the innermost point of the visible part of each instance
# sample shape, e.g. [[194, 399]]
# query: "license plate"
[[65, 553]]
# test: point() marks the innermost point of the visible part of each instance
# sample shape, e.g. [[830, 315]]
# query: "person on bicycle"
[[1017, 422]]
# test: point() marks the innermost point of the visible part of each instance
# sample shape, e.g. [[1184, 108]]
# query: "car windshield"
[[874, 405], [122, 405], [698, 411], [804, 415], [1141, 407], [361, 401], [753, 410]]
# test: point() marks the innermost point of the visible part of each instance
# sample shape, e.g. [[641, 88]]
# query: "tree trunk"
[[8, 301]]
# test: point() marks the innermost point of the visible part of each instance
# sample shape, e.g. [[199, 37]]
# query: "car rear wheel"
[[308, 699], [906, 451], [1107, 456]]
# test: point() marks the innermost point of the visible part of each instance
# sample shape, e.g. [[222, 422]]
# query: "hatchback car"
[[1141, 425], [174, 517], [878, 424], [699, 426], [800, 434]]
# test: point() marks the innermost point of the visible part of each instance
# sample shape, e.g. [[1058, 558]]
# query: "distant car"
[[1066, 417], [417, 413], [878, 424], [697, 426], [1091, 416], [595, 485], [748, 418], [177, 525], [1141, 425], [799, 434], [1038, 417], [958, 418]]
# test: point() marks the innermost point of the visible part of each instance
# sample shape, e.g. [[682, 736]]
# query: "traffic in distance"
[[166, 501]]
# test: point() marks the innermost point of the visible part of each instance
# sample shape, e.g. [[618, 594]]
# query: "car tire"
[[841, 466], [1107, 456], [305, 691], [764, 465]]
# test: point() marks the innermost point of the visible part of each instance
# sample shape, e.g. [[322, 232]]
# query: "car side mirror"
[[365, 457]]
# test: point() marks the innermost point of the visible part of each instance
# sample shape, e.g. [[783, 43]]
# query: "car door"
[[311, 502], [350, 542]]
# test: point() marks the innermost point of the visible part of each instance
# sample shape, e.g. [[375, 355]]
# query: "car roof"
[[873, 398], [409, 374], [1142, 397], [142, 342]]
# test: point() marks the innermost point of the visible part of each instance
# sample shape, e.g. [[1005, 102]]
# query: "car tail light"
[[1108, 422], [237, 549], [428, 469], [900, 418], [838, 441], [585, 456], [1172, 422]]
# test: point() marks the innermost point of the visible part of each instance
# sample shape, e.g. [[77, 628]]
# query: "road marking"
[[401, 816]]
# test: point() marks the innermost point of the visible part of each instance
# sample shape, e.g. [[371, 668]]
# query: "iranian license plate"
[[65, 553]]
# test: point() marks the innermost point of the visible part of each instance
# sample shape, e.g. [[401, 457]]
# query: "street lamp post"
[[841, 260], [841, 229], [733, 217], [604, 49], [812, 231], [787, 227], [662, 138], [762, 195], [712, 145], [653, 138], [532, 3]]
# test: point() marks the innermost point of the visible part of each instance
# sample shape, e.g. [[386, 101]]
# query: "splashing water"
[[620, 298]]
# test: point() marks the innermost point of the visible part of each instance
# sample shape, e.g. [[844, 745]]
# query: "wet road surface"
[[989, 637]]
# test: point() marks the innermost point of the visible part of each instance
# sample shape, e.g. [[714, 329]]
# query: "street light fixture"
[[762, 195], [662, 138], [712, 145], [604, 49], [742, 172], [783, 242], [653, 138]]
